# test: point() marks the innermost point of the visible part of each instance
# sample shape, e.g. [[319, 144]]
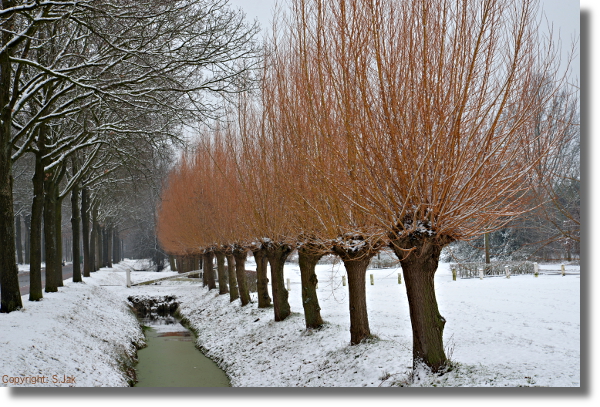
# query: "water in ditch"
[[171, 358]]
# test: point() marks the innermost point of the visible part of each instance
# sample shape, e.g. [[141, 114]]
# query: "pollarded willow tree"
[[230, 211], [306, 110], [263, 171], [424, 112], [201, 212], [230, 208], [179, 219]]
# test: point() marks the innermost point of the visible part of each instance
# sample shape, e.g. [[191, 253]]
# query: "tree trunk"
[[115, 245], [233, 288], [102, 244], [50, 236], [240, 272], [9, 271], [419, 268], [221, 273], [75, 220], [27, 222], [308, 260], [209, 270], [109, 245], [59, 244], [99, 248], [43, 243], [277, 253], [10, 295], [93, 241], [85, 232], [96, 247], [262, 283], [35, 231], [19, 239], [356, 264], [119, 248], [172, 263]]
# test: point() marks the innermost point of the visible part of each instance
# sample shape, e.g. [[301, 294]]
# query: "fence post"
[[507, 271], [344, 281], [535, 269], [372, 281], [481, 273], [128, 273], [288, 284], [453, 273], [399, 278], [562, 270]]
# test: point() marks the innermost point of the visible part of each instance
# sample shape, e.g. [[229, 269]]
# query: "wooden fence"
[[471, 270]]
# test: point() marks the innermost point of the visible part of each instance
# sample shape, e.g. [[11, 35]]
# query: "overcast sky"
[[563, 14]]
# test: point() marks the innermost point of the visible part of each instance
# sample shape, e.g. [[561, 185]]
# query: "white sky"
[[563, 14], [256, 9]]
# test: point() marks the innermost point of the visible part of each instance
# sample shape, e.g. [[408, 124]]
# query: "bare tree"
[[402, 124], [121, 53], [428, 107]]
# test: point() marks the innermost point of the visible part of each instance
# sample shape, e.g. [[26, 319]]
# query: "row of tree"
[[94, 94], [379, 124]]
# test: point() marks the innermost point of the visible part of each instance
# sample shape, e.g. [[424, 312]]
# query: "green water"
[[172, 360]]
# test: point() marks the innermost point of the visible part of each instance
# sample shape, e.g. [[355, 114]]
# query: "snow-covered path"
[[522, 331]]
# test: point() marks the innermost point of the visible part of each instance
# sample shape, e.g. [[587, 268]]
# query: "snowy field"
[[522, 331]]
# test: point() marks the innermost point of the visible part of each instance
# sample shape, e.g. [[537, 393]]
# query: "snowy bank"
[[84, 335]]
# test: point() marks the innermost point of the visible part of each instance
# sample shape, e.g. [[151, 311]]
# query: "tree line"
[[94, 95], [378, 124]]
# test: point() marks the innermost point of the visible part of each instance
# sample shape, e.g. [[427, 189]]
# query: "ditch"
[[171, 358]]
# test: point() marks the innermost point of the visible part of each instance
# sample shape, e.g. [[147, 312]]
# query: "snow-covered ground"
[[522, 331], [24, 268], [83, 332]]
